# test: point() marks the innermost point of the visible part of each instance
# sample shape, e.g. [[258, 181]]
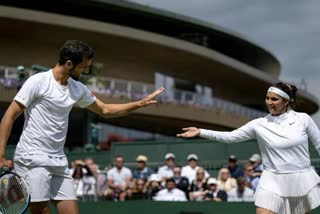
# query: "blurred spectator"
[[248, 175], [140, 190], [234, 168], [182, 182], [100, 176], [190, 170], [213, 193], [118, 179], [225, 181], [77, 176], [170, 193], [198, 187], [142, 170], [84, 181], [241, 192], [165, 171], [256, 163], [153, 186]]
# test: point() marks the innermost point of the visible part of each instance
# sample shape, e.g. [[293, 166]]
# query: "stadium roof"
[[163, 22], [247, 68]]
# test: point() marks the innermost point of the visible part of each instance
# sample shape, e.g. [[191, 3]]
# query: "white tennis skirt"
[[287, 205], [293, 196]]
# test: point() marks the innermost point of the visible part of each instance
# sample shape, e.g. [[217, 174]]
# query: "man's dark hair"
[[75, 51], [170, 180], [118, 156]]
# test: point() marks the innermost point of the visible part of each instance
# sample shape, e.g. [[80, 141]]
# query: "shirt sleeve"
[[184, 172], [160, 172], [181, 196], [313, 133], [245, 132], [207, 175], [159, 195], [28, 92], [87, 97], [109, 175], [129, 173]]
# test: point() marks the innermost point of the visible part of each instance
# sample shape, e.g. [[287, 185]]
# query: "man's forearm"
[[12, 113], [5, 130], [118, 110]]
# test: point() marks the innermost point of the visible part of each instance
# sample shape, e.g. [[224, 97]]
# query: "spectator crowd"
[[169, 182]]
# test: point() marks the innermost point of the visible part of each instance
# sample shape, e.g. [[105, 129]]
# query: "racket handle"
[[4, 169]]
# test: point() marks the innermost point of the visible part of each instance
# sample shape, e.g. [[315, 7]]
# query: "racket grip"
[[4, 169]]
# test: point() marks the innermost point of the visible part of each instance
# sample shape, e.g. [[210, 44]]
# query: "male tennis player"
[[46, 99]]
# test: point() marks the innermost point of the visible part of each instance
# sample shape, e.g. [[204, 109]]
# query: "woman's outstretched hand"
[[189, 132]]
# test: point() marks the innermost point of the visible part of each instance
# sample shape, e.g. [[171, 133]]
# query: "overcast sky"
[[290, 29]]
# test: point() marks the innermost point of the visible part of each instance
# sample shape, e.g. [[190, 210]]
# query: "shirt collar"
[[287, 116]]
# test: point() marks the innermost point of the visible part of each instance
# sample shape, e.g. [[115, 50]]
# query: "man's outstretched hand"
[[150, 99]]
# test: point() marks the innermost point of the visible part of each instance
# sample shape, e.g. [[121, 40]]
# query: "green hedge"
[[152, 207]]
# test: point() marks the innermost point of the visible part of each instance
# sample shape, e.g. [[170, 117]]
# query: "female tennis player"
[[47, 99], [288, 183]]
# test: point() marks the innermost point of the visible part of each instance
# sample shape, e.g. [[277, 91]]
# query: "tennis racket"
[[14, 194]]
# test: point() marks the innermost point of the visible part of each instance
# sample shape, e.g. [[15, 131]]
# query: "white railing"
[[137, 90]]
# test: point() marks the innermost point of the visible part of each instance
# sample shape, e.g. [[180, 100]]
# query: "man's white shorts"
[[47, 182]]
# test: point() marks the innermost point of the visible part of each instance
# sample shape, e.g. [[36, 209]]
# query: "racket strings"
[[14, 195]]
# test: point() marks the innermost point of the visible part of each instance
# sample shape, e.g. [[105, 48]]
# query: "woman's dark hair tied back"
[[291, 90], [289, 86]]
